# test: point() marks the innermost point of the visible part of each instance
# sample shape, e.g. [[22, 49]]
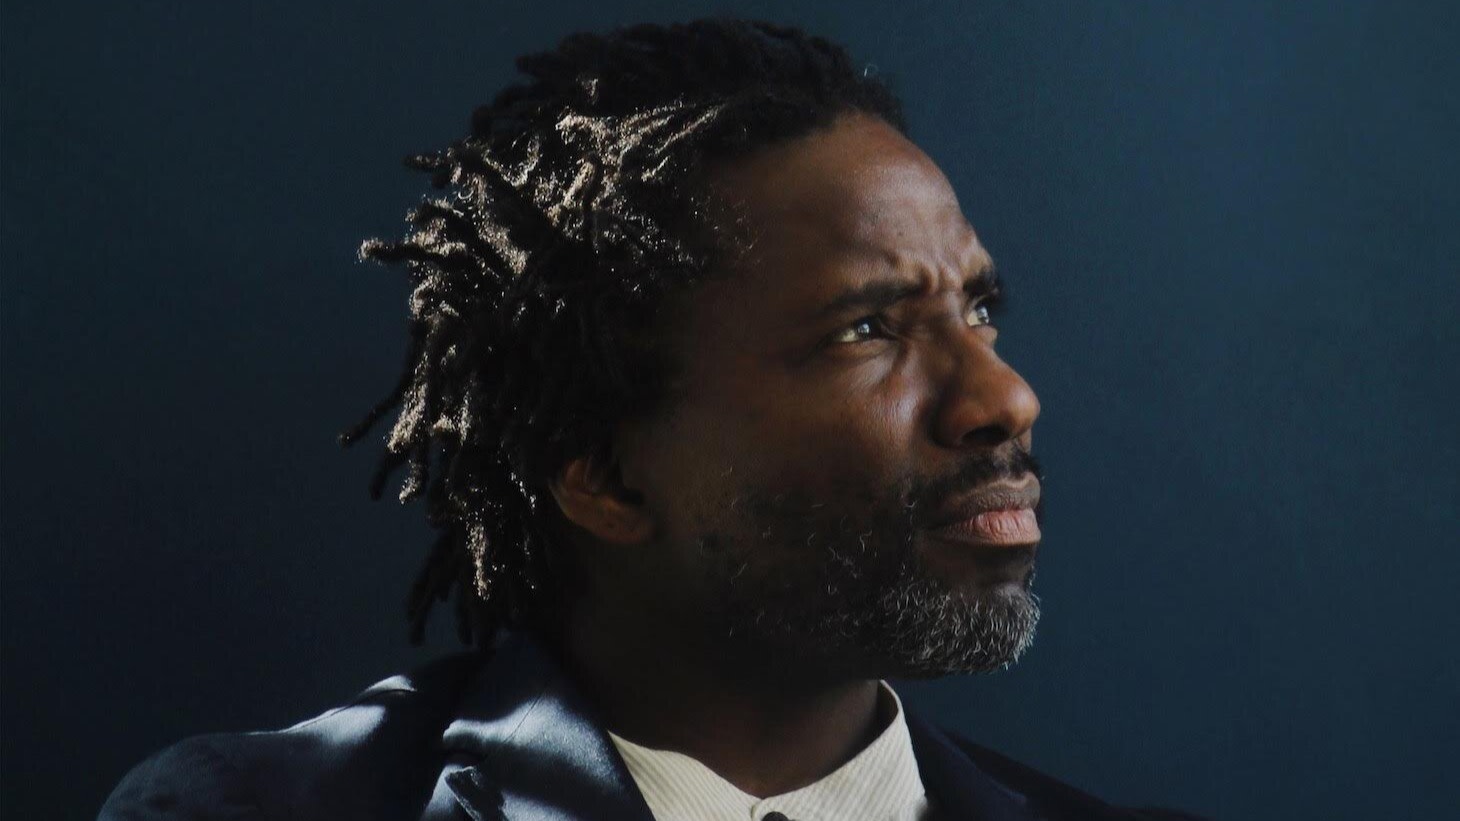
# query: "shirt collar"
[[879, 784]]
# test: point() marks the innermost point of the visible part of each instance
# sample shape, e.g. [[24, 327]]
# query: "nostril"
[[987, 436]]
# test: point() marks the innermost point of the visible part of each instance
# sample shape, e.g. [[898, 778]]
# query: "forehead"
[[840, 206]]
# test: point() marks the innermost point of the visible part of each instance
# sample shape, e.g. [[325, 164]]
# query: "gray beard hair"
[[865, 598], [922, 630]]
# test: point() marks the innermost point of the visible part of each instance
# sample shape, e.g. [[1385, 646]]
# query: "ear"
[[591, 493]]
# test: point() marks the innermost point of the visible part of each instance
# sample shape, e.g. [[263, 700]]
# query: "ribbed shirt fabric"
[[880, 783]]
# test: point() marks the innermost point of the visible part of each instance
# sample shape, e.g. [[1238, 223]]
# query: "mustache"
[[1012, 464]]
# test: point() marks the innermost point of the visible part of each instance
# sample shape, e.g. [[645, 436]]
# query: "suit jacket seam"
[[331, 713]]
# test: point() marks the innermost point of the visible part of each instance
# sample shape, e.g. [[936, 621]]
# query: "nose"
[[984, 402]]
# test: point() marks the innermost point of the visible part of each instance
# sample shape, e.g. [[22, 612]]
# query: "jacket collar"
[[524, 747], [956, 787], [538, 754]]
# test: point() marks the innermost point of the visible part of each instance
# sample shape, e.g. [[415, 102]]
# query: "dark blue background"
[[1230, 230]]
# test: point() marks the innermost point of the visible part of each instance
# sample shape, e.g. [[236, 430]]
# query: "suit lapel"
[[957, 788], [526, 750]]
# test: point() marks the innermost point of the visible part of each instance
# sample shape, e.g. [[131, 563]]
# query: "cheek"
[[838, 438], [845, 452], [862, 432]]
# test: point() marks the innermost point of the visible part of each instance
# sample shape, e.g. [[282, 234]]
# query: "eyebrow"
[[882, 294]]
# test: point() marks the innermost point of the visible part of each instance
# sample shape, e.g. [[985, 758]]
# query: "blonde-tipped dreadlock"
[[570, 213]]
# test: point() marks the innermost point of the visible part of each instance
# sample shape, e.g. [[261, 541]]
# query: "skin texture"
[[712, 622]]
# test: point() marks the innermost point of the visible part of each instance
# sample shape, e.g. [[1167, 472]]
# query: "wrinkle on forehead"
[[956, 259], [859, 161], [856, 193], [815, 216]]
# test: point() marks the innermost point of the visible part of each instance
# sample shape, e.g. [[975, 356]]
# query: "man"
[[703, 400]]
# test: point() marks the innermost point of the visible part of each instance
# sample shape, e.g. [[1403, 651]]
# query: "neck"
[[758, 720]]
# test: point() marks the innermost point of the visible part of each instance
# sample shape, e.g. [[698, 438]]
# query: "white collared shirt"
[[880, 783]]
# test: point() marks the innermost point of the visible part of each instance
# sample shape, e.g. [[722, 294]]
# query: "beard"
[[839, 579]]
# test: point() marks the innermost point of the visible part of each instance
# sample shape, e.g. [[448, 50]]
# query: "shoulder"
[[338, 760]]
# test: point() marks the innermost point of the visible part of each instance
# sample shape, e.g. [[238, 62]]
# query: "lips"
[[998, 515]]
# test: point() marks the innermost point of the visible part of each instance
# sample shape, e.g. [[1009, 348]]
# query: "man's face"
[[845, 474]]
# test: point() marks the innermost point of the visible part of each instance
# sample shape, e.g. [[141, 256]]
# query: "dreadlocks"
[[569, 215]]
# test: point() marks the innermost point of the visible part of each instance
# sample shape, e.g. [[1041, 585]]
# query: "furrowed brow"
[[882, 294], [984, 281], [871, 297]]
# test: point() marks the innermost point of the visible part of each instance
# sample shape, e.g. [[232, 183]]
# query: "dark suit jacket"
[[501, 738]]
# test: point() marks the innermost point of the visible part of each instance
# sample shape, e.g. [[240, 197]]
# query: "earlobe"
[[590, 491]]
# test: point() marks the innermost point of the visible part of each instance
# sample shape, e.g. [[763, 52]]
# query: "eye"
[[979, 314], [868, 327]]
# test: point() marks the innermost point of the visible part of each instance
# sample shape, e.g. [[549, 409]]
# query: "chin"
[[980, 570], [982, 623]]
